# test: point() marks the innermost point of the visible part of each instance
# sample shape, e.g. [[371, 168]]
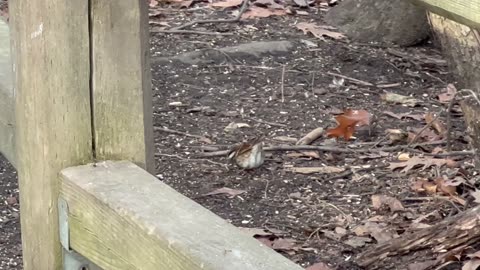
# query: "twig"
[[313, 82], [243, 8], [428, 125], [267, 123], [191, 159], [177, 132], [357, 81], [282, 86], [310, 137], [189, 32]]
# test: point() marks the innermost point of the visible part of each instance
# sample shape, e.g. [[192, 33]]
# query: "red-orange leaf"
[[347, 123]]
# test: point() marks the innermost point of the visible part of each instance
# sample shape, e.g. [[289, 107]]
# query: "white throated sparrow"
[[249, 155]]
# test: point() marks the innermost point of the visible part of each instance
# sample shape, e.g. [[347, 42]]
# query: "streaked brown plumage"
[[249, 155]]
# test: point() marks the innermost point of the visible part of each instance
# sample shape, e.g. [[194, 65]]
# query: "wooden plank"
[[7, 110], [53, 128], [122, 93], [466, 12], [121, 217]]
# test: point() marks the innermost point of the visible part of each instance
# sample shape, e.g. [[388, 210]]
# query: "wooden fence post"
[[50, 51], [122, 96]]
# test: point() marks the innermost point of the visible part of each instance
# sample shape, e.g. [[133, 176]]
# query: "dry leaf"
[[308, 154], [347, 123], [319, 31], [476, 195], [227, 3], [422, 265], [228, 191], [153, 3], [436, 124], [420, 161], [447, 96], [260, 12], [380, 200], [311, 170], [380, 232], [269, 4], [318, 266], [403, 157], [357, 241], [233, 126], [396, 98]]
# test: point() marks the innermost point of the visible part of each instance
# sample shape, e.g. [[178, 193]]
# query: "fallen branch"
[[310, 137], [452, 232], [331, 149], [243, 8]]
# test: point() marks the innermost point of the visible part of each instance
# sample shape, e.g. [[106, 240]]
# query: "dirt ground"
[[316, 213]]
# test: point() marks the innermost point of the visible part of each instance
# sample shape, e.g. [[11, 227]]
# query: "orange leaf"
[[347, 123]]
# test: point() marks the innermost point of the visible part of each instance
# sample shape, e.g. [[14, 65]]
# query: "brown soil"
[[248, 90]]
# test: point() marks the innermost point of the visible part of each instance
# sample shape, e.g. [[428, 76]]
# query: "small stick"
[[310, 137], [267, 123], [177, 132], [364, 83], [428, 125], [282, 85], [312, 83], [188, 32], [243, 8]]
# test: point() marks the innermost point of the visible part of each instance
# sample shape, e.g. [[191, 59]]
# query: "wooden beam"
[[121, 217], [7, 101], [466, 12], [122, 96], [50, 53]]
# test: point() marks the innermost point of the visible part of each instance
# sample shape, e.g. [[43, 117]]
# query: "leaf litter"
[[316, 166]]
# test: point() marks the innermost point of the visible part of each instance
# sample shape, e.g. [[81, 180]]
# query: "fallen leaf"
[[311, 170], [403, 157], [224, 190], [268, 4], [233, 126], [444, 188], [357, 241], [301, 3], [380, 232], [447, 96], [318, 266], [400, 116], [260, 12], [227, 3], [284, 244], [308, 154], [12, 200], [319, 31], [476, 195], [415, 161], [347, 123], [396, 98], [380, 200], [435, 123], [186, 3], [422, 265]]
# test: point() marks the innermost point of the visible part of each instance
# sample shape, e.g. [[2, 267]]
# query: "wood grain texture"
[[50, 52], [121, 217], [122, 96], [7, 101], [466, 12]]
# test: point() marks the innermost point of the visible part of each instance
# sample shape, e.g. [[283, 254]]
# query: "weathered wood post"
[[82, 91]]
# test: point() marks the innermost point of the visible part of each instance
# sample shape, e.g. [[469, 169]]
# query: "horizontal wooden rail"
[[121, 217], [7, 101], [466, 12]]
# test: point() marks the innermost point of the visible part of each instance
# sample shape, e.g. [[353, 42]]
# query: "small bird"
[[249, 155]]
